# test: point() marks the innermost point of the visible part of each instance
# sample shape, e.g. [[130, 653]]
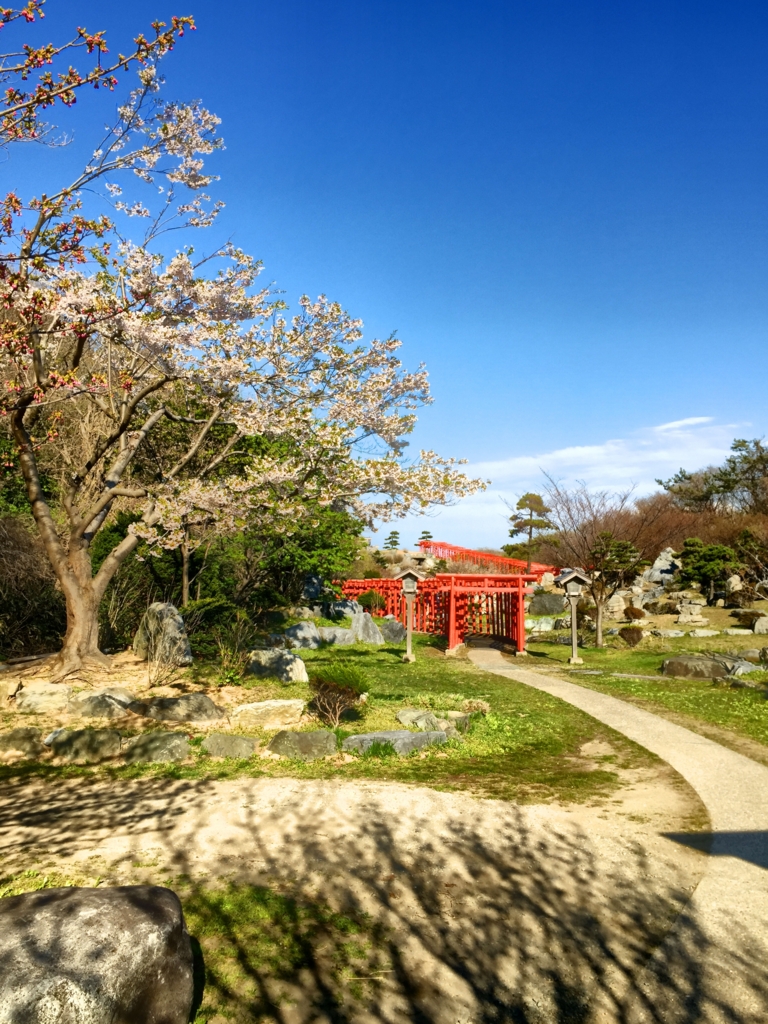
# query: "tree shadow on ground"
[[306, 916]]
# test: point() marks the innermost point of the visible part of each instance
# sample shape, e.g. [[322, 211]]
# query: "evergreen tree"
[[392, 543], [531, 520]]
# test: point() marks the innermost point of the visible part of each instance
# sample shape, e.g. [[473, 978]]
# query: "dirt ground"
[[491, 911]]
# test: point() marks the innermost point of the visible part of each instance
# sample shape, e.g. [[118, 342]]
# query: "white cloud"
[[637, 460]]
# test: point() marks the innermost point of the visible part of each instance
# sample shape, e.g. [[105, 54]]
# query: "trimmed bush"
[[372, 601], [631, 635], [337, 688], [633, 613]]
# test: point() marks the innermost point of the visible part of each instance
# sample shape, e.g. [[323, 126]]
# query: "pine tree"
[[531, 519], [392, 543]]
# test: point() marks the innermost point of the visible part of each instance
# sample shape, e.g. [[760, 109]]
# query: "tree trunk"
[[599, 622], [184, 574]]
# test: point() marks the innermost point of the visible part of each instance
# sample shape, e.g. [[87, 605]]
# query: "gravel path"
[[722, 975]]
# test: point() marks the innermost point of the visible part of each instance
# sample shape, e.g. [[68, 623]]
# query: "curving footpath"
[[713, 965]]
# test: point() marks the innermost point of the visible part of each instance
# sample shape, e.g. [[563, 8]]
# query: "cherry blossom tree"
[[176, 387]]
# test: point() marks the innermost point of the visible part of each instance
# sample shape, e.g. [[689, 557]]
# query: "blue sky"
[[560, 207]]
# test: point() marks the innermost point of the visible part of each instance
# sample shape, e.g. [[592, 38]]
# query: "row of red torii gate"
[[460, 606]]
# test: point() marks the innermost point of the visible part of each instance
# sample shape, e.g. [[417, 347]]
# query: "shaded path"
[[734, 890]]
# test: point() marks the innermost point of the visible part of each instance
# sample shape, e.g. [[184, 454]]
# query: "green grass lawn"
[[523, 750], [743, 711]]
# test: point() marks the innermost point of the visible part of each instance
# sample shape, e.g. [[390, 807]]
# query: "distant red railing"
[[458, 605], [484, 559]]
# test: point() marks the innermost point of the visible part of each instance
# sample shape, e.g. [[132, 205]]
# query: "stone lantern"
[[410, 583], [573, 582]]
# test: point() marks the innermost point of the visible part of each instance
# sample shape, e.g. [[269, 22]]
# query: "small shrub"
[[337, 688], [631, 635], [475, 704], [633, 613], [373, 601], [747, 618]]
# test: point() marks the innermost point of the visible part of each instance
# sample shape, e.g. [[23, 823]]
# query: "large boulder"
[[340, 609], [88, 745], [44, 698], [26, 742], [546, 604], [282, 665], [110, 702], [157, 746], [696, 666], [190, 707], [304, 746], [95, 956], [615, 607], [269, 714], [761, 625], [303, 634], [365, 630], [225, 744], [336, 635], [663, 569], [393, 632], [162, 637], [401, 740]]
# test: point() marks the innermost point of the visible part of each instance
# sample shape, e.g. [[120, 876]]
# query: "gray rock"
[[668, 632], [340, 609], [162, 637], [365, 630], [546, 604], [89, 745], [752, 655], [733, 584], [282, 665], [95, 956], [303, 634], [269, 714], [402, 740], [277, 640], [737, 632], [157, 746], [716, 666], [336, 635], [104, 704], [761, 625], [22, 741], [190, 707], [393, 632], [8, 689], [224, 744], [304, 746], [424, 721], [461, 720], [704, 632], [564, 623], [663, 569], [450, 730], [303, 612], [539, 625], [44, 698], [314, 589], [615, 607]]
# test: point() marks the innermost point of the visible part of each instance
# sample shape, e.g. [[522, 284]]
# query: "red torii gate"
[[457, 606], [483, 559]]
